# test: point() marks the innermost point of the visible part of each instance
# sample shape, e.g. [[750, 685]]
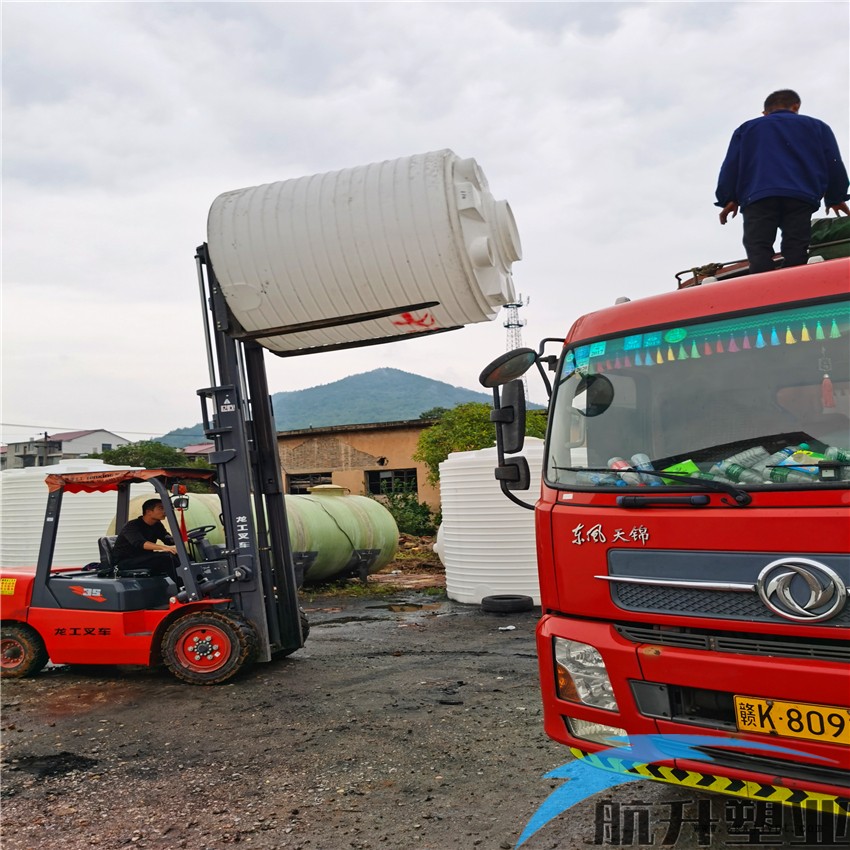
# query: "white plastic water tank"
[[408, 246], [486, 542], [84, 517]]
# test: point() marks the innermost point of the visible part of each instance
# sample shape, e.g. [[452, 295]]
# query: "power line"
[[60, 428]]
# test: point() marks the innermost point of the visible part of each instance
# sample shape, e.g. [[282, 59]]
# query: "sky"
[[602, 124]]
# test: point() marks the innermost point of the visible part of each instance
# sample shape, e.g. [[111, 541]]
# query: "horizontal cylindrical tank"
[[83, 518], [486, 542], [336, 526], [396, 248], [328, 523]]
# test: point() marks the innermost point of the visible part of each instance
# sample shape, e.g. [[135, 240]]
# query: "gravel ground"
[[407, 721]]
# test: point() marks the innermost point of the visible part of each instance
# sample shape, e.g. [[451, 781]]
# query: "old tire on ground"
[[208, 647], [506, 604], [22, 651]]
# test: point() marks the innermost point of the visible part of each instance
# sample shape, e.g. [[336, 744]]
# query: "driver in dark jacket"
[[777, 170], [144, 543]]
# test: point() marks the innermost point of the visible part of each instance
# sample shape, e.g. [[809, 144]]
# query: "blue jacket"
[[783, 154]]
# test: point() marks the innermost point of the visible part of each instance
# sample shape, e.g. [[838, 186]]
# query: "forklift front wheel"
[[22, 651], [208, 647]]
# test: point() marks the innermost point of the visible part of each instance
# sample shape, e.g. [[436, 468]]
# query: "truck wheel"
[[208, 647], [506, 604], [22, 651]]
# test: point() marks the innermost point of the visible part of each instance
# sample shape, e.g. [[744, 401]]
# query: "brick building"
[[361, 458]]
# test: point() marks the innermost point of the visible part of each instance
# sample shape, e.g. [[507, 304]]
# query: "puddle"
[[340, 621], [401, 607], [83, 698], [52, 765]]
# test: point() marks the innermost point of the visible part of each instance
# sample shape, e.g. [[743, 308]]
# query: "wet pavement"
[[406, 721]]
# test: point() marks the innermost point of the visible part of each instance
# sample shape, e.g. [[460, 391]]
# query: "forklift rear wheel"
[[22, 651], [208, 647]]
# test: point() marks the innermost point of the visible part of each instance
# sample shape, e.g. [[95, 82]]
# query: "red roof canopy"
[[104, 481]]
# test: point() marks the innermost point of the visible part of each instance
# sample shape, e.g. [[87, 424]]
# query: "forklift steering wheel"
[[199, 532]]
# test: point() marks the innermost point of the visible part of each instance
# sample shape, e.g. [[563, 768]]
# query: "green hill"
[[382, 395]]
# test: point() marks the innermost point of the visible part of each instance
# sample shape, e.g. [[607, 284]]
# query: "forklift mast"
[[238, 418]]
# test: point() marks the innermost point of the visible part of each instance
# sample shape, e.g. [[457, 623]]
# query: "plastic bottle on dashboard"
[[735, 472], [781, 474], [707, 476], [749, 457], [835, 453], [629, 476], [641, 461], [599, 479], [763, 466]]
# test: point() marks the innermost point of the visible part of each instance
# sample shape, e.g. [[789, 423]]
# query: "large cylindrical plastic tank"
[[328, 523], [83, 518], [486, 542], [407, 246]]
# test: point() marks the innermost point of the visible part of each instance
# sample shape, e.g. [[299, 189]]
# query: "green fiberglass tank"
[[330, 532]]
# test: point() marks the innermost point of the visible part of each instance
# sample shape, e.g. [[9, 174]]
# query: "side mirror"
[[510, 417], [508, 367], [514, 474]]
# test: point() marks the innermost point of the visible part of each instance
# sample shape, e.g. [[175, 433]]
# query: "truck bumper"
[[815, 769]]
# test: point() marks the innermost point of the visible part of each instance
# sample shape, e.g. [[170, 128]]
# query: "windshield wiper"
[[741, 497]]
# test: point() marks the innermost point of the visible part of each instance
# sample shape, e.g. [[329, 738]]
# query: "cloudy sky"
[[603, 124]]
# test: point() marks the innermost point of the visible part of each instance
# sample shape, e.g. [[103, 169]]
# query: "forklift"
[[238, 604]]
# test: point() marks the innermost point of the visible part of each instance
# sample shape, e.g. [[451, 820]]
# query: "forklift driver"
[[137, 548]]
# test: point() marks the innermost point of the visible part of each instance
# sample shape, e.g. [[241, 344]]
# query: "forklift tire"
[[22, 651], [208, 647]]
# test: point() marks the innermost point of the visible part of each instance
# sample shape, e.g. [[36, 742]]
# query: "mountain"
[[382, 395]]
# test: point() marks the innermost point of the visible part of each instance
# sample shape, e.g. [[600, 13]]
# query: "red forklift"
[[238, 603]]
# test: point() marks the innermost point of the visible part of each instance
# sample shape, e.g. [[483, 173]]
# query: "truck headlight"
[[581, 675]]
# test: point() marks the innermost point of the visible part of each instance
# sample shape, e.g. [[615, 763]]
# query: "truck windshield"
[[759, 400]]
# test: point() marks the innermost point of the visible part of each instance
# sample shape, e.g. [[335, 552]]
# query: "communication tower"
[[514, 326]]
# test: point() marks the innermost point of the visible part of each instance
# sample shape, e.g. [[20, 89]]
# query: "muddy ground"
[[407, 721]]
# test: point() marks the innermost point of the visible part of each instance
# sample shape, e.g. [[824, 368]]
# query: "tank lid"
[[327, 490]]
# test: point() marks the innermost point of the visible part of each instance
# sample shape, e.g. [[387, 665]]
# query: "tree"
[[151, 454], [465, 428], [148, 453], [434, 413]]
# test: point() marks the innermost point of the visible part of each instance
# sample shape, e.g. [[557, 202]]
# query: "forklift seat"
[[104, 546]]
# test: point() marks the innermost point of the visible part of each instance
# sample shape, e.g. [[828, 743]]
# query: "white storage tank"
[[83, 519], [486, 542], [378, 252]]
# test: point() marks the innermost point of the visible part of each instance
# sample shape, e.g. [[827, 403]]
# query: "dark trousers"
[[159, 563], [761, 221]]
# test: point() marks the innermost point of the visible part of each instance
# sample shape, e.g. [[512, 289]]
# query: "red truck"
[[693, 528]]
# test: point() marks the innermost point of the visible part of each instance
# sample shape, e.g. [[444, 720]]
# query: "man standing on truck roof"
[[777, 170]]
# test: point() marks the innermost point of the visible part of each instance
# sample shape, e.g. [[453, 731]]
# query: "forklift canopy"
[[102, 482]]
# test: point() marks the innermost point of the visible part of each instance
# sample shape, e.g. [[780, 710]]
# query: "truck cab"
[[693, 531]]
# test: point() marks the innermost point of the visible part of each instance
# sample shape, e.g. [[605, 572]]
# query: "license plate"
[[825, 723]]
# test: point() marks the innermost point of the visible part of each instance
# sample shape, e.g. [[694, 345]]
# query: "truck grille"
[[718, 585], [737, 643]]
